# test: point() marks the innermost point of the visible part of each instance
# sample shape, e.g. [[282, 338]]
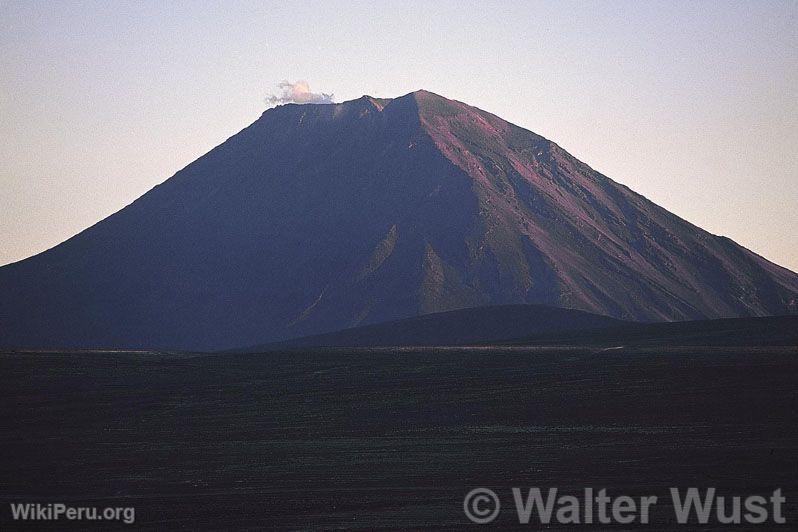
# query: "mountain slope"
[[321, 217], [479, 325]]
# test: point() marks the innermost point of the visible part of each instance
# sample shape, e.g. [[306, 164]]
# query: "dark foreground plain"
[[390, 438]]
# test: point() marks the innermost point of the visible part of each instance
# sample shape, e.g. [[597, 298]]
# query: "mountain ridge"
[[319, 217], [480, 325]]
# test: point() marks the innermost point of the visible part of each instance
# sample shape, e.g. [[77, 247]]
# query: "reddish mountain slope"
[[319, 217]]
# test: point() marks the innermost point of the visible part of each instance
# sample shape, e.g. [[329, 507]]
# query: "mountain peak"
[[422, 97], [425, 94], [426, 99]]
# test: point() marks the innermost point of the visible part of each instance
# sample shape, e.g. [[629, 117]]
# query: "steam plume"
[[298, 92]]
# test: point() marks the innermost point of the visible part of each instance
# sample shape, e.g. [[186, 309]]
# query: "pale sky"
[[692, 104]]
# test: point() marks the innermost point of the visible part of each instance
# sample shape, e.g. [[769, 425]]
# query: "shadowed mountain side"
[[767, 331], [317, 218], [456, 327]]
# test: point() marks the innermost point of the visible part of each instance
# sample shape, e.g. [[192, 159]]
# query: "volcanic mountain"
[[320, 217]]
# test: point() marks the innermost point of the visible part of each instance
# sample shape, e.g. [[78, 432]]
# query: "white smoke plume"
[[298, 92]]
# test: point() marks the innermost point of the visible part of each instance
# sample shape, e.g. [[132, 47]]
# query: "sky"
[[692, 104]]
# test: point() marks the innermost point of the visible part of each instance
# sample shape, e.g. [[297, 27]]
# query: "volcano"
[[322, 217]]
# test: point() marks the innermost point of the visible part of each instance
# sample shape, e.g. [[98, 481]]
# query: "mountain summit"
[[320, 217]]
